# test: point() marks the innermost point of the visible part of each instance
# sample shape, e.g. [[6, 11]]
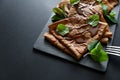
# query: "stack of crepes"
[[81, 34]]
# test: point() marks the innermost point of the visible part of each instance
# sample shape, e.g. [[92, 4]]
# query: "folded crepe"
[[76, 41], [110, 3], [87, 8], [81, 34]]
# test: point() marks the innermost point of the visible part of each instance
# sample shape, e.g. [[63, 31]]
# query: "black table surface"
[[21, 22]]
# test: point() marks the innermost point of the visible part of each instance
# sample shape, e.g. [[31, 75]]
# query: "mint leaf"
[[74, 2], [99, 1], [104, 56], [95, 55], [92, 45], [98, 54], [112, 14], [59, 11], [111, 17], [59, 14], [57, 18], [63, 8], [105, 9], [62, 29], [98, 46], [93, 20]]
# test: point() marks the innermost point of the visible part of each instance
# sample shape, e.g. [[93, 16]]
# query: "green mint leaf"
[[99, 1], [57, 18], [98, 54], [112, 14], [63, 8], [105, 9], [74, 2], [111, 18], [93, 20], [98, 46], [95, 55], [104, 56], [59, 12], [62, 29], [92, 45]]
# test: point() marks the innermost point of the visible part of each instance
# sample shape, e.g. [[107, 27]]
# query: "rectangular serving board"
[[45, 46]]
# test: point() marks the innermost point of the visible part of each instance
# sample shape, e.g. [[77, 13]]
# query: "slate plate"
[[43, 45]]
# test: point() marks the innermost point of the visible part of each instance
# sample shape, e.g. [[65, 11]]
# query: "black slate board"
[[43, 45]]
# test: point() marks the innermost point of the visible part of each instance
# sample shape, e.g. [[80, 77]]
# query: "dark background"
[[21, 22]]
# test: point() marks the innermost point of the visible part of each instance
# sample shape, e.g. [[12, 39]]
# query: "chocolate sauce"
[[93, 30], [81, 39]]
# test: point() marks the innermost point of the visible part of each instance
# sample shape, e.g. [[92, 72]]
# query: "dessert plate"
[[45, 46]]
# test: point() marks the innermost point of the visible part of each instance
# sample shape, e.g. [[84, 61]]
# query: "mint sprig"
[[92, 45], [59, 14], [109, 16], [105, 9], [74, 2], [93, 20], [99, 1], [59, 11], [97, 53], [57, 17], [62, 29]]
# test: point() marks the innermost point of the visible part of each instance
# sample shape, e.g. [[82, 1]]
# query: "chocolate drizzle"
[[93, 31], [81, 39], [82, 33]]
